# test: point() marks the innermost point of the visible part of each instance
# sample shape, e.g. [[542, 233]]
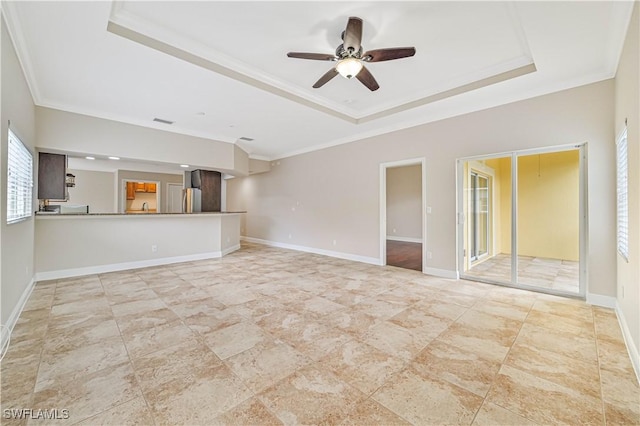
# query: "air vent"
[[244, 138], [160, 120]]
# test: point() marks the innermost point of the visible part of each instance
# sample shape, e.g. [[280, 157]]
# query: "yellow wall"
[[548, 205], [548, 209]]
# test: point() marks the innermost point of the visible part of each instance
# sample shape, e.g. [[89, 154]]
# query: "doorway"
[[402, 212], [523, 221], [141, 196]]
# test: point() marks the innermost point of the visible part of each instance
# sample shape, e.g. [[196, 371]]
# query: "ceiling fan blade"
[[367, 79], [353, 35], [314, 56], [325, 78], [379, 55]]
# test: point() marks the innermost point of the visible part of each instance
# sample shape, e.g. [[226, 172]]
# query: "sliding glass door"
[[521, 219]]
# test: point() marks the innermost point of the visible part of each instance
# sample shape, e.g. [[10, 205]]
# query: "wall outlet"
[[154, 248], [429, 256], [429, 210], [228, 239], [335, 242], [289, 236], [394, 230]]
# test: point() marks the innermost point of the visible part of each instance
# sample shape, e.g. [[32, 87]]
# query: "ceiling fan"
[[351, 59]]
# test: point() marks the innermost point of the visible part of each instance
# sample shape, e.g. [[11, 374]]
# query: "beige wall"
[[163, 178], [312, 199], [17, 246], [627, 95], [95, 189], [404, 202], [77, 133]]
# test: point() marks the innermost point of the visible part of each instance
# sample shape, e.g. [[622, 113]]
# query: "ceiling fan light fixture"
[[349, 67]]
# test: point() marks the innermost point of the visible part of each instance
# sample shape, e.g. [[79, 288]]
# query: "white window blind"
[[622, 195], [19, 180]]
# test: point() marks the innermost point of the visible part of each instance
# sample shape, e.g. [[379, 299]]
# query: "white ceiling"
[[176, 60]]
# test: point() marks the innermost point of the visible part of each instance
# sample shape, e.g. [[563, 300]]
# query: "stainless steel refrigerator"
[[191, 200]]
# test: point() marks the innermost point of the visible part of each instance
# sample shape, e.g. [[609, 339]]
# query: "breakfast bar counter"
[[69, 245]]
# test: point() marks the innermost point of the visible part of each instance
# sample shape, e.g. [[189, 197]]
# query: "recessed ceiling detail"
[[419, 83], [228, 59]]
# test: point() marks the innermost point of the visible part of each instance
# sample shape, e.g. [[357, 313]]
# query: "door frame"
[[582, 212], [421, 161]]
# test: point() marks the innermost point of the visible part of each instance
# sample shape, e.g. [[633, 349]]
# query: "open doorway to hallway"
[[522, 219], [404, 214]]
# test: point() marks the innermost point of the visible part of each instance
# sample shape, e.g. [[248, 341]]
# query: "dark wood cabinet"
[[52, 174], [210, 183]]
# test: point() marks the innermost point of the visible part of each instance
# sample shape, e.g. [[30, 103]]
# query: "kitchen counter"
[[48, 215], [68, 245]]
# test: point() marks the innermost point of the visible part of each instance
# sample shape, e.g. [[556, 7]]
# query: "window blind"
[[19, 180], [622, 195]]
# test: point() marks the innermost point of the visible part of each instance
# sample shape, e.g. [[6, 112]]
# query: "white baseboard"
[[628, 340], [101, 269], [404, 239], [600, 300], [15, 314], [330, 253], [230, 249], [442, 273]]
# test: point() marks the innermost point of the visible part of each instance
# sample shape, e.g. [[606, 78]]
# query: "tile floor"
[[269, 336], [555, 274]]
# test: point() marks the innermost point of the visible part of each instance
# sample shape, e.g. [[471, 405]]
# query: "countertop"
[[136, 214]]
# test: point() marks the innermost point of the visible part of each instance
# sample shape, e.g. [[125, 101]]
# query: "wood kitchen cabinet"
[[139, 186], [131, 190], [150, 187], [52, 174]]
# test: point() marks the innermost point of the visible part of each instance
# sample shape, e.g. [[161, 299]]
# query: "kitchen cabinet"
[[150, 187], [52, 175], [210, 183], [131, 190], [139, 186]]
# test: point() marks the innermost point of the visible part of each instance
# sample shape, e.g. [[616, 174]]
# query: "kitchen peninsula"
[[72, 245]]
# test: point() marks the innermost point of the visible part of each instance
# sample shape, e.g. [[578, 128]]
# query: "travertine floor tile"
[[266, 363], [458, 366], [423, 400], [543, 401], [369, 412], [311, 396], [556, 368], [91, 394], [493, 415], [272, 336], [234, 339], [250, 412], [197, 400], [131, 413], [362, 366]]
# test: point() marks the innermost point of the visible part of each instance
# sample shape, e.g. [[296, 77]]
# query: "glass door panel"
[[548, 221], [486, 204]]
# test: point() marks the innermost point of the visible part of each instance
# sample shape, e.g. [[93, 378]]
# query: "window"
[[622, 194], [19, 180]]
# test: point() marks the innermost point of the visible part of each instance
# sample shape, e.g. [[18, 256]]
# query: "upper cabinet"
[[133, 187], [52, 174], [131, 190]]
